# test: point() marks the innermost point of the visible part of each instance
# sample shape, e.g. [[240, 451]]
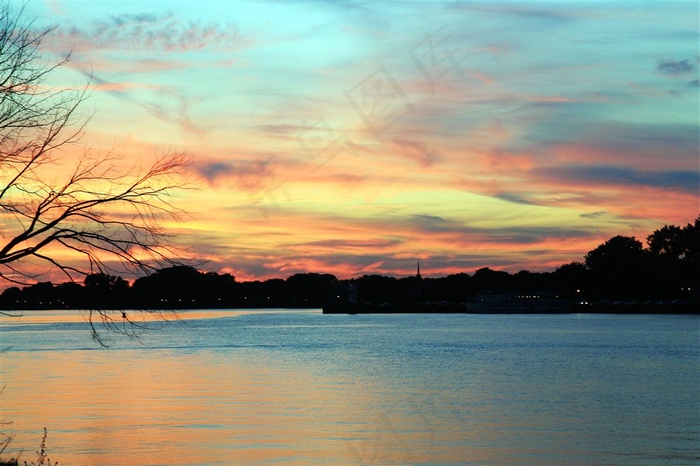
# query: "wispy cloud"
[[246, 175], [529, 13], [601, 175], [417, 150], [677, 67], [593, 215], [155, 32]]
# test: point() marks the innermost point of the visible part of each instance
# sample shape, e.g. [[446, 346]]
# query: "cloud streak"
[[677, 67], [682, 181], [153, 32]]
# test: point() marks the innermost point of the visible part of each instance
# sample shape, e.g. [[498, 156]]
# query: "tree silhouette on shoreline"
[[619, 270]]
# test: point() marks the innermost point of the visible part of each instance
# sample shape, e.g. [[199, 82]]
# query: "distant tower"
[[418, 270]]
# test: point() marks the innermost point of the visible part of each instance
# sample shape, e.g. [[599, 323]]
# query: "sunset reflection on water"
[[139, 406], [82, 316], [161, 410], [298, 387]]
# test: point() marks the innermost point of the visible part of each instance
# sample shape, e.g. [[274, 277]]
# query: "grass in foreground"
[[42, 459]]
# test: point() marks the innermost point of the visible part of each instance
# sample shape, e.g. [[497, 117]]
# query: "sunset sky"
[[356, 137]]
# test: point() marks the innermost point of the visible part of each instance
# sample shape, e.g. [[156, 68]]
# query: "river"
[[299, 387]]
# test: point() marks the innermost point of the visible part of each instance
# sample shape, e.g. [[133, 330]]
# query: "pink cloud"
[[121, 86]]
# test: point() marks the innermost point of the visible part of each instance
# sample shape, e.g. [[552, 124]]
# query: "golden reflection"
[[132, 407], [246, 405], [20, 317]]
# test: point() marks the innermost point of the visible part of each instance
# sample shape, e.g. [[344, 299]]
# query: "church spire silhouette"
[[418, 270]]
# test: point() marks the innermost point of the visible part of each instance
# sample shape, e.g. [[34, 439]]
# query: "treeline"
[[619, 269]]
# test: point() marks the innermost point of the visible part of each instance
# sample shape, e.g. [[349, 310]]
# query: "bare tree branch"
[[111, 218]]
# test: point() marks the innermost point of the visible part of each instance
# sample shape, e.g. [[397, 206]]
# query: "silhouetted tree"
[[219, 290], [524, 280], [455, 288], [70, 295], [273, 293], [311, 289], [11, 298], [675, 242], [103, 291], [409, 290], [619, 251], [486, 279], [93, 210], [376, 289], [38, 296], [573, 278], [691, 243], [667, 241], [172, 288], [674, 252], [619, 268], [54, 202]]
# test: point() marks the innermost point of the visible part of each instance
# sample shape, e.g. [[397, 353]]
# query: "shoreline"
[[463, 308]]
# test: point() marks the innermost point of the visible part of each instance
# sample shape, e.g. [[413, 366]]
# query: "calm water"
[[299, 387]]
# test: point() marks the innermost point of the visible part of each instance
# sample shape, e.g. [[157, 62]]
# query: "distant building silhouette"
[[352, 292]]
